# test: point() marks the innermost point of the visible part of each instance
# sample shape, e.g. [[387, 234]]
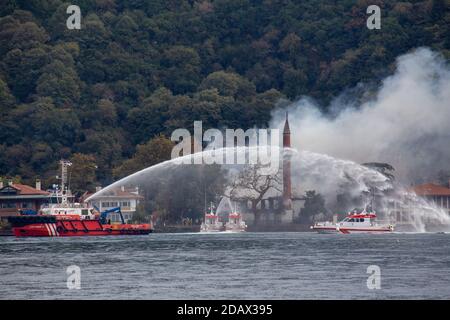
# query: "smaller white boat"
[[355, 222], [235, 223], [211, 223]]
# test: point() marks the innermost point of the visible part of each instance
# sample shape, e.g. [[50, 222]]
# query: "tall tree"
[[252, 184], [82, 173]]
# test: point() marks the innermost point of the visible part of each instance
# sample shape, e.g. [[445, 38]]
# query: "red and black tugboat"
[[65, 218], [73, 225]]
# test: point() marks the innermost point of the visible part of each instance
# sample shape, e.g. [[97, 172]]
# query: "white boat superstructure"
[[211, 222], [235, 222], [62, 200], [355, 222], [68, 209]]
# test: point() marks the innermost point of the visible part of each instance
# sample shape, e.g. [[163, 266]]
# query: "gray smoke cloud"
[[406, 123]]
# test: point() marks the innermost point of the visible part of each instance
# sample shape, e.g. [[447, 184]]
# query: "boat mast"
[[64, 187]]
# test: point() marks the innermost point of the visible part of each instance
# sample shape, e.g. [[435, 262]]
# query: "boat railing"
[[384, 221], [325, 223], [64, 205]]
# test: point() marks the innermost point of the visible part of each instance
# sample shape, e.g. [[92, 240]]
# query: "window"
[[8, 205], [27, 205], [276, 204]]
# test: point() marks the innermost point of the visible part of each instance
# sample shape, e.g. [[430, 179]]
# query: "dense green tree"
[[82, 173], [149, 118], [229, 84], [182, 69], [59, 82], [141, 68], [154, 151], [314, 209], [6, 98], [23, 68]]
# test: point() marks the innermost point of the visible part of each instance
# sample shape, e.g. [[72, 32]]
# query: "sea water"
[[228, 266]]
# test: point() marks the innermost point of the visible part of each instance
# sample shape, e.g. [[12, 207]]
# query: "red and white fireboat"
[[235, 222], [211, 222], [356, 222]]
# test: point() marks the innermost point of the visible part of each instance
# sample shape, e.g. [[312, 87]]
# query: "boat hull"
[[349, 230], [41, 226]]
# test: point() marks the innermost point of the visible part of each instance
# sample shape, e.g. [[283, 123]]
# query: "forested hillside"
[[141, 68]]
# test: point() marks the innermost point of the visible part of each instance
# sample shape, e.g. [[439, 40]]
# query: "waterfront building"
[[16, 197], [127, 199]]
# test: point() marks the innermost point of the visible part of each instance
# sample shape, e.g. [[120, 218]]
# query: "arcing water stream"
[[324, 174]]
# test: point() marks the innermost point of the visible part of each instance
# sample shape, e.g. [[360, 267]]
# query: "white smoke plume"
[[406, 123]]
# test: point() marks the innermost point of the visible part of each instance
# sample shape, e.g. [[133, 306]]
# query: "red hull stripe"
[[48, 229]]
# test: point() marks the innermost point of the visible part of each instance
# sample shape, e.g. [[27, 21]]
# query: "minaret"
[[287, 196]]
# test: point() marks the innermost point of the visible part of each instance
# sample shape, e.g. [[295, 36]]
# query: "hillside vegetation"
[[139, 69]]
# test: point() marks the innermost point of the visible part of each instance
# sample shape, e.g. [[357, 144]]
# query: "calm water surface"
[[227, 266]]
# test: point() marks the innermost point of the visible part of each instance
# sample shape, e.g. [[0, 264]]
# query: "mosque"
[[278, 208]]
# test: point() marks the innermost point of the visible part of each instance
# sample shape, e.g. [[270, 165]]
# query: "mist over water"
[[328, 175]]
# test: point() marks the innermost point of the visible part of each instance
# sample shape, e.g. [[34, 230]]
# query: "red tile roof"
[[118, 193], [431, 189], [27, 190], [127, 194]]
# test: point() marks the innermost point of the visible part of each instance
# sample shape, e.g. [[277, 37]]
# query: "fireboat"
[[357, 221], [235, 222], [64, 218], [212, 222]]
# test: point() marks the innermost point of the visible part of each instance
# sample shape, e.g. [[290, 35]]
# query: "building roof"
[[27, 190], [431, 189], [116, 194], [22, 191]]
